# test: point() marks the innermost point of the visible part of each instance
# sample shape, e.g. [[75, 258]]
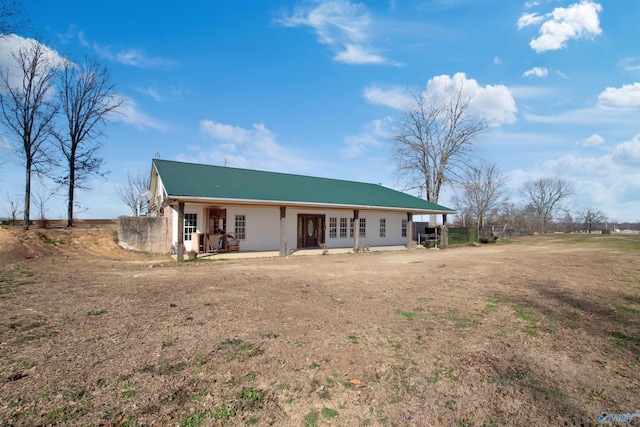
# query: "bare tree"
[[517, 219], [463, 213], [87, 100], [11, 17], [41, 198], [567, 222], [591, 217], [130, 192], [14, 208], [28, 109], [545, 197], [481, 192], [435, 140]]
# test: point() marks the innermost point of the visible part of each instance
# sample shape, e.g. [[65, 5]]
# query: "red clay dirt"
[[537, 331]]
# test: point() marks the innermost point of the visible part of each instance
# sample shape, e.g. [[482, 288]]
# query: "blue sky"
[[317, 87]]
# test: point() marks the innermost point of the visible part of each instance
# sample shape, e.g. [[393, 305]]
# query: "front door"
[[310, 231]]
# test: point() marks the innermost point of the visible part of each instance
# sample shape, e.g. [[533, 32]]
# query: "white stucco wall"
[[372, 231], [263, 226]]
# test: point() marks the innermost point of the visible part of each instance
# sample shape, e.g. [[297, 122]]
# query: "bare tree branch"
[[41, 197], [11, 17], [435, 140], [14, 208], [482, 192], [591, 217], [27, 110], [545, 196], [131, 191], [87, 99]]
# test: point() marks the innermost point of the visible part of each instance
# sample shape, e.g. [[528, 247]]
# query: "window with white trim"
[[343, 228], [241, 227], [383, 227], [351, 227], [190, 225], [363, 227], [333, 228], [404, 228]]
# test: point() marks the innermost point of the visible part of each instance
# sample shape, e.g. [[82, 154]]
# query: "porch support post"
[[444, 238], [356, 229], [283, 231], [180, 248], [410, 230]]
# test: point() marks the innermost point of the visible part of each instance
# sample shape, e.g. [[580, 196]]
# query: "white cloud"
[[254, 148], [11, 44], [131, 115], [577, 21], [219, 131], [629, 64], [626, 96], [132, 57], [356, 54], [393, 97], [529, 19], [161, 94], [151, 92], [536, 72], [576, 166], [129, 56], [344, 26], [374, 135], [588, 116], [628, 153], [606, 181], [594, 139], [72, 33], [495, 104], [497, 60]]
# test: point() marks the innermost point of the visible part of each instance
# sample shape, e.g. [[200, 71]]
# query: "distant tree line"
[[434, 148]]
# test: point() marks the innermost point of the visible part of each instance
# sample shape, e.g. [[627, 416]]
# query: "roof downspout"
[[356, 230], [283, 231], [410, 230], [180, 244]]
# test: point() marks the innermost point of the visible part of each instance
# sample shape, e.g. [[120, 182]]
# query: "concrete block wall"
[[145, 233]]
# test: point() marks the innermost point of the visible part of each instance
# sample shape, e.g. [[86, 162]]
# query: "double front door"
[[310, 231]]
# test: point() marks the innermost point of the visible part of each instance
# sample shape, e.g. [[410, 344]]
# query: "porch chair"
[[214, 243], [230, 243]]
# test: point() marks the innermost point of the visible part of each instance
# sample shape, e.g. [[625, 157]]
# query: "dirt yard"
[[533, 332]]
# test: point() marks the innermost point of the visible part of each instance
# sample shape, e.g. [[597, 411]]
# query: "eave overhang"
[[289, 203]]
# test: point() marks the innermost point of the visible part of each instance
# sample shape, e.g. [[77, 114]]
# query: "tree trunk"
[[72, 186], [27, 194]]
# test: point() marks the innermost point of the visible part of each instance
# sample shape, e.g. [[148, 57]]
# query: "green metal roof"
[[195, 181]]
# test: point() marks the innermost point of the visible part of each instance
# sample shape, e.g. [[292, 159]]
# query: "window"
[[363, 227], [333, 228], [404, 228], [343, 228], [383, 227], [241, 227], [351, 227], [190, 223]]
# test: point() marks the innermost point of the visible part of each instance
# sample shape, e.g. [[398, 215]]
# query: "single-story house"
[[279, 211]]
